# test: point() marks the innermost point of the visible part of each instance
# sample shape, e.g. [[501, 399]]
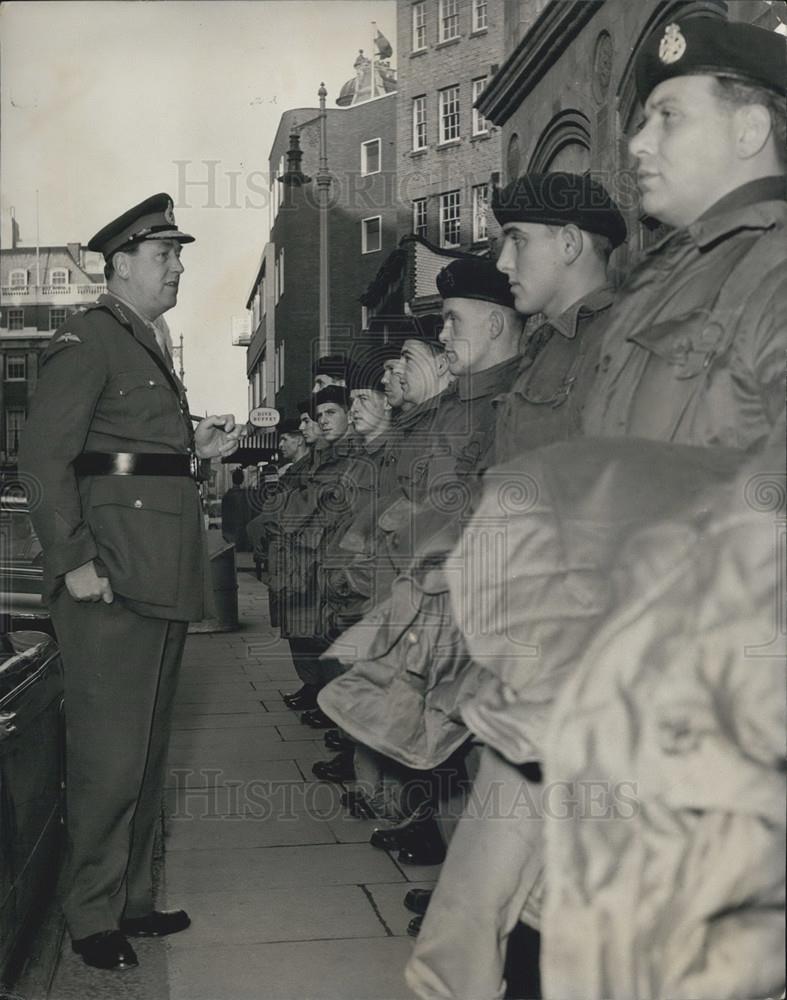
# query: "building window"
[[15, 368], [479, 15], [58, 278], [281, 365], [371, 234], [16, 319], [14, 422], [449, 114], [419, 122], [449, 20], [480, 124], [370, 157], [480, 204], [57, 317], [419, 26], [449, 219], [419, 217], [281, 273], [18, 278]]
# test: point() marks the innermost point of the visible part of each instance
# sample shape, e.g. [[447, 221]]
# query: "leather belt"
[[133, 463]]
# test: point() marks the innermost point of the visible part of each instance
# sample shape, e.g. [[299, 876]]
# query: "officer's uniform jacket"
[[104, 386], [695, 346], [556, 372]]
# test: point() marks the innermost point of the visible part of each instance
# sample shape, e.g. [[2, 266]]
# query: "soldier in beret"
[[331, 369], [559, 231], [307, 425], [694, 349], [110, 441]]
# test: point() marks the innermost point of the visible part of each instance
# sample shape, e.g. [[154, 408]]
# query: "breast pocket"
[[135, 521], [140, 395]]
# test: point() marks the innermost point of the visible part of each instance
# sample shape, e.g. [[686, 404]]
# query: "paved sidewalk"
[[288, 900]]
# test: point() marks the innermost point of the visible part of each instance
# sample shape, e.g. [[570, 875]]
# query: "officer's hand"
[[216, 437], [84, 584]]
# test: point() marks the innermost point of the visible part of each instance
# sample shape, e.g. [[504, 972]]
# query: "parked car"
[[32, 745]]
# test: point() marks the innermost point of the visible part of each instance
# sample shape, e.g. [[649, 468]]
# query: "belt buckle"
[[193, 465]]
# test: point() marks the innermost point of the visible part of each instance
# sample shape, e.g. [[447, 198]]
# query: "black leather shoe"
[[339, 768], [317, 719], [106, 950], [414, 927], [157, 923], [302, 700], [357, 805], [424, 847], [417, 900], [334, 740], [391, 838]]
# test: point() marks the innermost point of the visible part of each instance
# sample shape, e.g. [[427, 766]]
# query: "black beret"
[[560, 199], [307, 406], [474, 278], [707, 45], [289, 426], [334, 365], [368, 369], [151, 219], [332, 394]]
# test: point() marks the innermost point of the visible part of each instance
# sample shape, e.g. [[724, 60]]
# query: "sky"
[[104, 104]]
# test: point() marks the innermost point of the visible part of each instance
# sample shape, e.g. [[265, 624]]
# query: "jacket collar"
[[487, 382], [759, 204], [594, 302]]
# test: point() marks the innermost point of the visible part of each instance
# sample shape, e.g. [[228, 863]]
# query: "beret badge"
[[672, 45]]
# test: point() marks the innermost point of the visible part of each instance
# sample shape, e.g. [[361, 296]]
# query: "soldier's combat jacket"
[[695, 347], [105, 387]]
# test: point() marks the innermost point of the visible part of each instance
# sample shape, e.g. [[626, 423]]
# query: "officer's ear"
[[754, 129], [496, 324], [570, 242], [440, 363], [120, 264]]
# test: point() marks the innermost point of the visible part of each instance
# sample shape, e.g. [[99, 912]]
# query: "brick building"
[[449, 155], [39, 287], [284, 298], [565, 96]]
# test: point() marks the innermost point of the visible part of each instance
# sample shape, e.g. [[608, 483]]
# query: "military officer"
[[694, 348], [110, 442]]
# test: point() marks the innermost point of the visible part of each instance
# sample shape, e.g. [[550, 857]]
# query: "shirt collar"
[[594, 302], [125, 302], [489, 381], [759, 204]]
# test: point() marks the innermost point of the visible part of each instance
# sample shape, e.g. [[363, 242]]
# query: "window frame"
[[20, 359], [11, 425], [57, 309], [416, 28], [16, 314], [444, 218], [419, 102], [480, 124], [15, 273], [365, 172], [57, 272], [444, 116], [364, 242], [420, 203], [480, 5], [478, 215], [453, 15]]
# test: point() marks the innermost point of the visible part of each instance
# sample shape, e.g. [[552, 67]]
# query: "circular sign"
[[264, 416]]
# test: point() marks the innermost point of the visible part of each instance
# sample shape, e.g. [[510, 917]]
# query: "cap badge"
[[672, 45], [169, 214]]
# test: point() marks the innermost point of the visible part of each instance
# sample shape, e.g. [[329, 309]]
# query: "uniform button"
[[412, 637], [122, 393], [151, 382], [138, 504]]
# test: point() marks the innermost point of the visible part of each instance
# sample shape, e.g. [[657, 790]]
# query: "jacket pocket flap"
[[687, 343], [163, 495]]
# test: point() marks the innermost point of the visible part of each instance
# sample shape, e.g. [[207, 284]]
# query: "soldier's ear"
[[755, 128], [571, 243], [120, 263], [496, 323]]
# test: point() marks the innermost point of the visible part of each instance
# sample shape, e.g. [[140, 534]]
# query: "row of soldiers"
[[517, 556]]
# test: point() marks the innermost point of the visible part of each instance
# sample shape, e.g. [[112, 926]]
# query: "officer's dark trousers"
[[120, 677]]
